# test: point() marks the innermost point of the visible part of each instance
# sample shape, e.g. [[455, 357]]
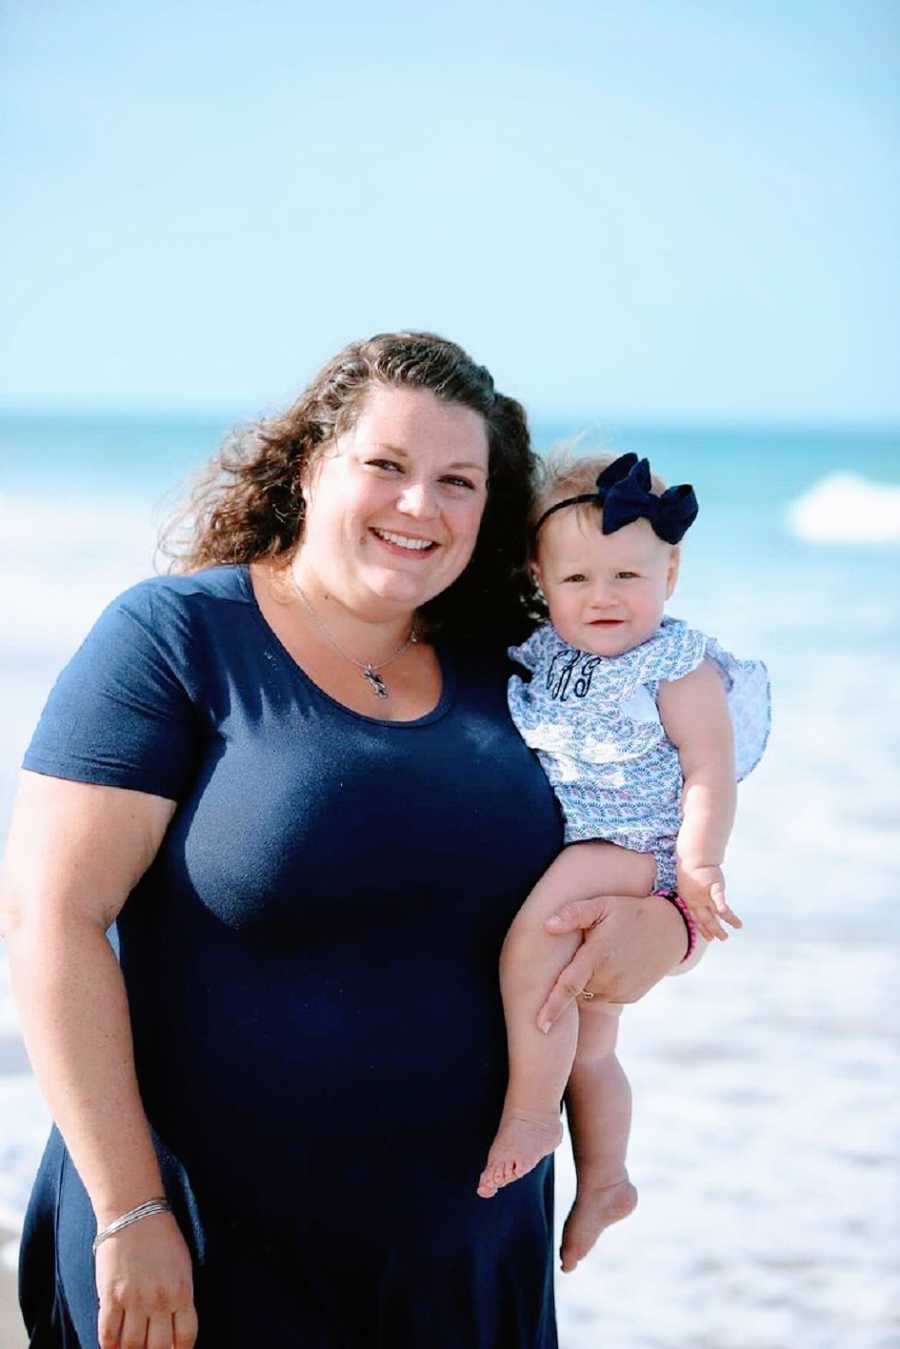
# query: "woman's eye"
[[383, 463], [460, 482]]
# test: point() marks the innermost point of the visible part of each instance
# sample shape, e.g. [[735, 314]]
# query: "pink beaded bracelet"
[[674, 898]]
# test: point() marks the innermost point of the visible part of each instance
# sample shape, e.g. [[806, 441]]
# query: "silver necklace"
[[370, 672]]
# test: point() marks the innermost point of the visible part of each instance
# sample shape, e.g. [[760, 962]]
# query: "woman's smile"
[[404, 543]]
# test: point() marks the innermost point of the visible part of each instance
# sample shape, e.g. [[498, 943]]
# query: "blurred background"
[[669, 226]]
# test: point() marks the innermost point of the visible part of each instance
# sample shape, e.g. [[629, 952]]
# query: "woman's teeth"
[[402, 541]]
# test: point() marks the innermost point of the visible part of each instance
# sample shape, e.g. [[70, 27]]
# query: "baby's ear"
[[534, 572], [672, 576]]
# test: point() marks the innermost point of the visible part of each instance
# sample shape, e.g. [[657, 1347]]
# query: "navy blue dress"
[[311, 965]]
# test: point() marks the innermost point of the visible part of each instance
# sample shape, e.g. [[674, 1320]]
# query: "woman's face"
[[394, 506]]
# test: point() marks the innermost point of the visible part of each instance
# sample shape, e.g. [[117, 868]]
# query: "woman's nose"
[[417, 498]]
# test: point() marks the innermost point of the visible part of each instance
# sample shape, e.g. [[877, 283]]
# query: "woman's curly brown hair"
[[248, 503]]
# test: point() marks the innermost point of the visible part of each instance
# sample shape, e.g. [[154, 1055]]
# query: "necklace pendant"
[[375, 681]]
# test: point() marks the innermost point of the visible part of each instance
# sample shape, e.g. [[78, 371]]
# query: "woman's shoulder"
[[169, 622], [174, 592], [176, 608], [127, 709]]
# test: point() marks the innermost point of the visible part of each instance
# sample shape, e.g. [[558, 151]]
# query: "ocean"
[[766, 1138]]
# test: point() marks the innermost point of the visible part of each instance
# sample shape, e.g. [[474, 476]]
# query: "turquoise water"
[[742, 548], [103, 451]]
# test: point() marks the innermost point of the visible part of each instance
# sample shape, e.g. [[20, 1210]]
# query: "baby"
[[643, 726]]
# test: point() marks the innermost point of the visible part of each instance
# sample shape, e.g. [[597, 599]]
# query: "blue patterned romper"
[[595, 725]]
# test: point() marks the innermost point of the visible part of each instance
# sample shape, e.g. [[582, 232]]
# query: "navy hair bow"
[[623, 490]]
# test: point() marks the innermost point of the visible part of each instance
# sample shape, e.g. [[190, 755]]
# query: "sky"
[[656, 209]]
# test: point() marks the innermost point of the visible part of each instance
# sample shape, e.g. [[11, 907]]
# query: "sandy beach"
[[12, 1331]]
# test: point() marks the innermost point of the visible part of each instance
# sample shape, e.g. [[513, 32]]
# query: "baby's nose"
[[602, 595]]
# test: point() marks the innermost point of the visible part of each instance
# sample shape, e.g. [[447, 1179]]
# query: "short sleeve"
[[121, 713]]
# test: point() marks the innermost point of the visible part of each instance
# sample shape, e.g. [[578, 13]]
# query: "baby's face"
[[605, 592]]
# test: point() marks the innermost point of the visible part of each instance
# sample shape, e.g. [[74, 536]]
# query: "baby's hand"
[[703, 891]]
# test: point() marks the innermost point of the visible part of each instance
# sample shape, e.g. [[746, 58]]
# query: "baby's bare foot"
[[594, 1209], [524, 1137]]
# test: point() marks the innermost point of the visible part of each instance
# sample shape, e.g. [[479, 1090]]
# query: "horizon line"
[[581, 420]]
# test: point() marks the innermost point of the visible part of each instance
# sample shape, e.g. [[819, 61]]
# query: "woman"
[[289, 775]]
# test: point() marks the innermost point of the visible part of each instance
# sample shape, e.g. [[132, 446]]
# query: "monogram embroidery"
[[564, 673], [615, 773]]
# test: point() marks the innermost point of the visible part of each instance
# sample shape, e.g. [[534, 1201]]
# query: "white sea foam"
[[26, 1124], [63, 561], [846, 508]]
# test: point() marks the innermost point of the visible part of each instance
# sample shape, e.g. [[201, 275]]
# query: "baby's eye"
[[575, 577], [626, 575]]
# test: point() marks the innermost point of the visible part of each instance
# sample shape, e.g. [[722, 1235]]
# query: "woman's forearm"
[[74, 1013]]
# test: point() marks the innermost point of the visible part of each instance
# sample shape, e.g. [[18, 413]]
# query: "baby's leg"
[[598, 1107], [539, 1065]]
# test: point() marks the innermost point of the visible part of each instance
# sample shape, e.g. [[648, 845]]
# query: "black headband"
[[623, 490]]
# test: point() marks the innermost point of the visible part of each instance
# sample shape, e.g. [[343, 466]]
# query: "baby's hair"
[[562, 474]]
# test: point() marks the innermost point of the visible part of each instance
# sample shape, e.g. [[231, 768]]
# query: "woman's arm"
[[75, 851], [695, 716]]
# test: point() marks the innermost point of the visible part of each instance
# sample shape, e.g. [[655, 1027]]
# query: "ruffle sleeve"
[[749, 697], [675, 650]]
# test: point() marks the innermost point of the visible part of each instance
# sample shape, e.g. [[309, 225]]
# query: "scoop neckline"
[[445, 663]]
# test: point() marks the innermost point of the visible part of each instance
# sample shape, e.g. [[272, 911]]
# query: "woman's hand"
[[145, 1287], [629, 945]]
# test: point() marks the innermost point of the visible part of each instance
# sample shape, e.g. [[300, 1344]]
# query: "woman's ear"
[[672, 575]]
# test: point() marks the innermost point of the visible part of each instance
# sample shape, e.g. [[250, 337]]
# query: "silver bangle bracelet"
[[160, 1205]]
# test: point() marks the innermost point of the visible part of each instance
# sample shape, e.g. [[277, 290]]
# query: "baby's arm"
[[695, 715]]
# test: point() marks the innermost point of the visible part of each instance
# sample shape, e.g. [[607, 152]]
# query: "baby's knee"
[[525, 937], [530, 955]]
